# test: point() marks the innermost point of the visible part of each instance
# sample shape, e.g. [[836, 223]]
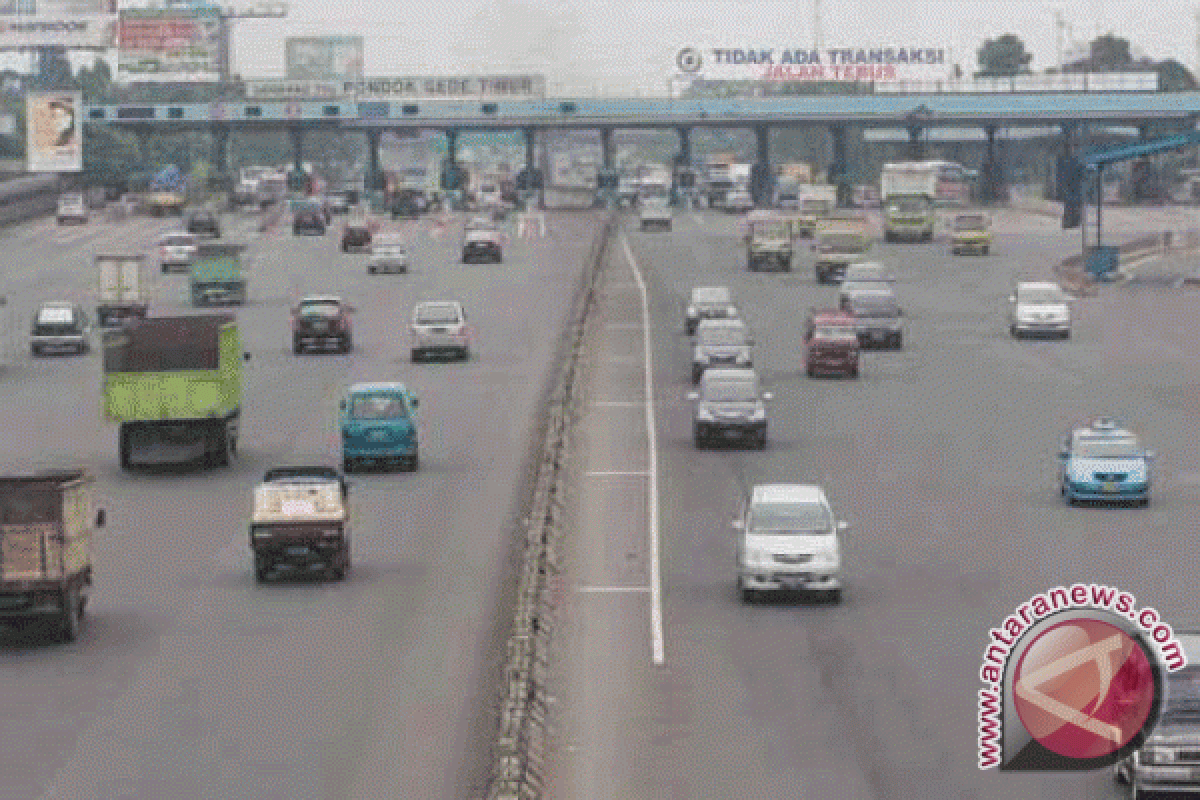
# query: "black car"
[[356, 237], [309, 221], [204, 223]]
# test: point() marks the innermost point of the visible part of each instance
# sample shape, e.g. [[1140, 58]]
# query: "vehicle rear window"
[[723, 336], [730, 392], [797, 517], [178, 241], [835, 332], [1041, 296], [710, 297], [320, 310], [1115, 447], [55, 316], [970, 223], [437, 315], [874, 306], [379, 406]]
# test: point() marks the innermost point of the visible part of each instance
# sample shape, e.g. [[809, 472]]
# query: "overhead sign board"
[[169, 45], [53, 133], [85, 24], [872, 64], [320, 58], [403, 88]]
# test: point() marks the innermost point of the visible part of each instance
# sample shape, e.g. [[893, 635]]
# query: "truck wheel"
[[347, 465], [220, 454], [347, 344], [69, 617], [986, 249], [411, 463], [261, 568], [35, 350], [760, 441], [297, 347], [416, 355], [787, 266]]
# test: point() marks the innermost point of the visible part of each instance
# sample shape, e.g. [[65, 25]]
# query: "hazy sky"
[[627, 46]]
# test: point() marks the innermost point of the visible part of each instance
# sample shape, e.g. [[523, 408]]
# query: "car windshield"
[[973, 222], [378, 406], [1183, 697], [863, 272], [437, 315], [55, 316], [1041, 296], [723, 336], [730, 392], [306, 474], [178, 241], [860, 285], [320, 309], [202, 217], [841, 332], [791, 517], [1107, 447], [814, 205], [771, 229]]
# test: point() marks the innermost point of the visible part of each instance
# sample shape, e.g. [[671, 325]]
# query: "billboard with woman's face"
[[53, 133]]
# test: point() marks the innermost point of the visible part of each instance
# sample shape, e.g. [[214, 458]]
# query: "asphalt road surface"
[[942, 457], [190, 681]]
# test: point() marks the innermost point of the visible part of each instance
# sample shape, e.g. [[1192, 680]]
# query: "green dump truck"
[[217, 276], [174, 386]]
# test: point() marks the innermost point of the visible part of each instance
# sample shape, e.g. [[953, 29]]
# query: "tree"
[[54, 70], [1004, 55], [96, 82], [1109, 53], [1174, 77]]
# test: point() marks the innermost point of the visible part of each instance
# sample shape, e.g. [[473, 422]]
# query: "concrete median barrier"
[[519, 748]]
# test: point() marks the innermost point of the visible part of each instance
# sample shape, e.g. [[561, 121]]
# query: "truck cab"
[[769, 244], [971, 233], [908, 218], [836, 248], [300, 523], [378, 426]]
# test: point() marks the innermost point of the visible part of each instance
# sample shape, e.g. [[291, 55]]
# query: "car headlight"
[[758, 558], [1156, 755], [759, 414], [704, 414], [691, 311], [700, 358], [743, 357]]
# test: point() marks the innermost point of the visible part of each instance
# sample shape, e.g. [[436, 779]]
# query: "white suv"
[[788, 540], [1039, 308], [440, 328]]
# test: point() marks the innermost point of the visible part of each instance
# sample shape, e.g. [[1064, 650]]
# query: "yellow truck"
[[839, 243], [164, 203], [971, 233]]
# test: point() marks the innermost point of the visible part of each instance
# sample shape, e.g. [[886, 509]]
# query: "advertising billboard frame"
[[77, 24], [324, 54], [54, 131], [173, 45]]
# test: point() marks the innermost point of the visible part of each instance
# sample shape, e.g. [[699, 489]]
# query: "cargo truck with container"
[[47, 521], [121, 295], [217, 276], [300, 523], [815, 203], [173, 385], [907, 192]]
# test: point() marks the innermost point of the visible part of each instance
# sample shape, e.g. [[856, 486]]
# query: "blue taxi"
[[378, 426], [1103, 462]]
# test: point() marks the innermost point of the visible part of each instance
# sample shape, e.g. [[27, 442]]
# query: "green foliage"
[[1005, 55], [1109, 53], [1174, 77], [109, 155]]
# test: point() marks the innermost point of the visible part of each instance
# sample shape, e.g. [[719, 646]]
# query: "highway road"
[[941, 457], [190, 681]]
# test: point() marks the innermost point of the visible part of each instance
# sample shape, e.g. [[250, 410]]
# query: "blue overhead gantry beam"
[[1100, 158]]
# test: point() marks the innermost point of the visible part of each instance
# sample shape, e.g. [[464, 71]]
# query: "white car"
[[389, 253], [440, 328], [71, 208], [788, 539], [739, 202], [1039, 309], [176, 250]]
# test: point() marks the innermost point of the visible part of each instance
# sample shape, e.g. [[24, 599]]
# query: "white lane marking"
[[605, 473], [619, 403], [611, 589], [656, 615]]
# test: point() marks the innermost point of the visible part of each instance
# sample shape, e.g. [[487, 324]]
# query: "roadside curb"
[[518, 765]]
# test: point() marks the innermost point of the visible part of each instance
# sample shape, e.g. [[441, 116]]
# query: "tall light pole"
[[818, 33]]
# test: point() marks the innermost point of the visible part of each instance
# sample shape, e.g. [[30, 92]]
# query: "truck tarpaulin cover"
[[166, 344], [34, 499]]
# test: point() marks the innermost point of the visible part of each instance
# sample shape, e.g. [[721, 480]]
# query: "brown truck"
[[831, 344], [46, 525]]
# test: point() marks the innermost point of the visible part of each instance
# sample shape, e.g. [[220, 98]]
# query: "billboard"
[[320, 58], [53, 131], [85, 24], [870, 64], [169, 45], [403, 88]]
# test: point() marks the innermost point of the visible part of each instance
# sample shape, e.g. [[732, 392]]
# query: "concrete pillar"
[[990, 178], [297, 136], [916, 145], [606, 148], [762, 138], [839, 173], [530, 147], [374, 177], [685, 145], [220, 150], [1065, 153], [452, 145]]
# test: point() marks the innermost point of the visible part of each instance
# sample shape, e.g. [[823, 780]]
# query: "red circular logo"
[[1084, 688]]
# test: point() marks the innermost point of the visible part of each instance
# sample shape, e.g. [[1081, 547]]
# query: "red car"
[[831, 343]]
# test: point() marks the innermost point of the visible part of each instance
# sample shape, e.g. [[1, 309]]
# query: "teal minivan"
[[378, 426]]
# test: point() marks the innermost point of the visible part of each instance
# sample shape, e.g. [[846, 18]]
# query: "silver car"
[[848, 287], [868, 271], [721, 343], [176, 250], [728, 407], [708, 302], [878, 318], [59, 327], [388, 254], [1039, 309], [440, 328], [654, 212]]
